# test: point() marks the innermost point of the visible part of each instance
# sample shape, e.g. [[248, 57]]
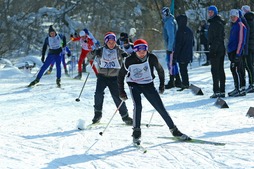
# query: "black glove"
[[68, 54], [124, 55], [71, 35], [161, 89], [43, 59], [123, 96]]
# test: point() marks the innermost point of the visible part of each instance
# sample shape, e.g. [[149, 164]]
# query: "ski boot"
[[128, 121], [136, 136], [79, 76], [33, 83], [58, 82], [97, 117], [176, 133], [49, 71]]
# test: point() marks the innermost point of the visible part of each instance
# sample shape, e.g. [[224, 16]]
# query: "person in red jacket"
[[86, 44]]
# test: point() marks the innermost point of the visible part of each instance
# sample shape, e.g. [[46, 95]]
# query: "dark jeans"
[[51, 58], [111, 83], [184, 73], [218, 73], [153, 97]]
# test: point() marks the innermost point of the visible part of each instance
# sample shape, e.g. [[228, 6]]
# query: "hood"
[[181, 21]]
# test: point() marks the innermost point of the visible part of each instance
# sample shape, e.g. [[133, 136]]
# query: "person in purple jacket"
[[236, 42]]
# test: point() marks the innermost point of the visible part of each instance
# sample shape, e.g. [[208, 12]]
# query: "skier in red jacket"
[[86, 44]]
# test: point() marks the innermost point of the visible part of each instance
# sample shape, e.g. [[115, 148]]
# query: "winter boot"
[[58, 82], [176, 133], [49, 71], [171, 82], [178, 82], [79, 76], [136, 135], [250, 89], [215, 95], [241, 92], [97, 117], [34, 82], [233, 92]]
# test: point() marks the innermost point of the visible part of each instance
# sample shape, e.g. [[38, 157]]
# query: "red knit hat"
[[140, 44], [109, 36]]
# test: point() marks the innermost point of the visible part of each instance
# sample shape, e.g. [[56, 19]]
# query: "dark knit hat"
[[51, 29]]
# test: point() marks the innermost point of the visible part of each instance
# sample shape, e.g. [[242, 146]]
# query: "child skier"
[[110, 58], [139, 70]]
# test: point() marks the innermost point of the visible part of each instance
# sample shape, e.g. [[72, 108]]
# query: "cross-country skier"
[[55, 42], [86, 43], [110, 58], [138, 69]]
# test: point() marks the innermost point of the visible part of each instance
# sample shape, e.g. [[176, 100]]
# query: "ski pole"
[[68, 42], [148, 125], [78, 99], [101, 133]]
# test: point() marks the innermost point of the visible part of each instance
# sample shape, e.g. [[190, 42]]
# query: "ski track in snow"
[[38, 127]]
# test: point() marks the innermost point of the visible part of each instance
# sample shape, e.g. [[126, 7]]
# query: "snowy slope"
[[38, 127]]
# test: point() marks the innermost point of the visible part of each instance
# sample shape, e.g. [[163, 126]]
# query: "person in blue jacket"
[[169, 32], [54, 42], [236, 43], [183, 53]]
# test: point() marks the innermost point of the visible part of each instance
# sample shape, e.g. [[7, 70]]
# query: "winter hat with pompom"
[[140, 44]]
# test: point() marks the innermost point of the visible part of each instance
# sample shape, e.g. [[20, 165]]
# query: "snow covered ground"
[[38, 127]]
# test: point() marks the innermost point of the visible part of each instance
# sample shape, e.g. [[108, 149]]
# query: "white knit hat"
[[234, 12], [245, 9]]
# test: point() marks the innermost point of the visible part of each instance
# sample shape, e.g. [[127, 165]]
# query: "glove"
[[68, 54], [124, 55], [43, 59], [169, 52], [123, 96], [71, 35], [161, 89]]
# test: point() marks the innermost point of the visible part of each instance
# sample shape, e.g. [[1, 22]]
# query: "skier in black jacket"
[[139, 68], [216, 35]]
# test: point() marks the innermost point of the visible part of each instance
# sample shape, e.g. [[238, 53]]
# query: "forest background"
[[24, 23]]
